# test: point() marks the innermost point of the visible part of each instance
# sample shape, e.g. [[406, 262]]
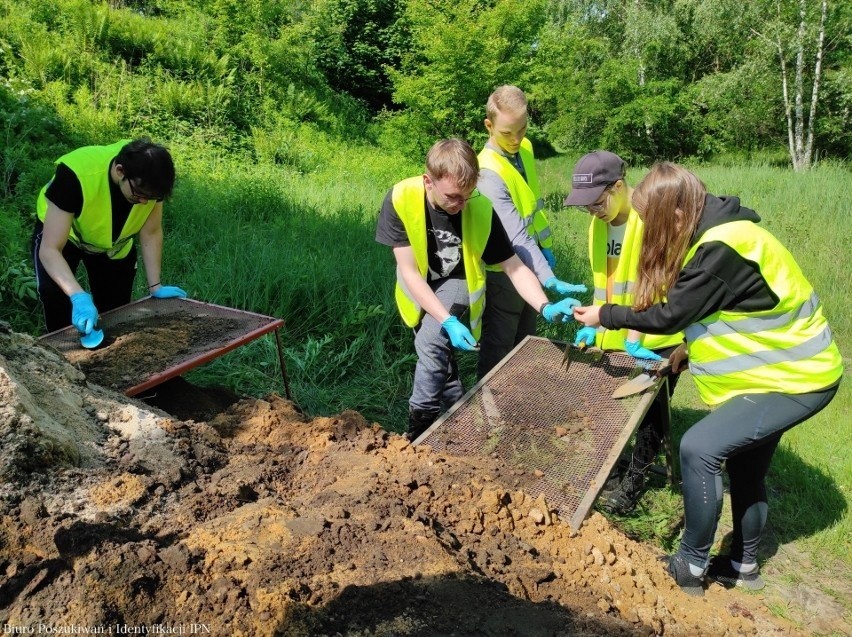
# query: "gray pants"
[[507, 320], [436, 376], [743, 433]]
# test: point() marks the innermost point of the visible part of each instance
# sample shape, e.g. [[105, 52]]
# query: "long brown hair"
[[665, 190]]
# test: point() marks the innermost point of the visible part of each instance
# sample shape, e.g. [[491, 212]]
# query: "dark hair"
[[150, 164]]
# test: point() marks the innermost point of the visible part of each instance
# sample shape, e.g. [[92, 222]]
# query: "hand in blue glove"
[[459, 335], [549, 257], [84, 314], [560, 287], [642, 353], [561, 311], [587, 336], [168, 292]]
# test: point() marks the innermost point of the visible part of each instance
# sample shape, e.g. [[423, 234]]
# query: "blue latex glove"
[[586, 335], [168, 292], [561, 311], [642, 353], [459, 335], [549, 257], [562, 288], [84, 314]]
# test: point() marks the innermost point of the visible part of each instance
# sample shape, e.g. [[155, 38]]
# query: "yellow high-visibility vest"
[[92, 230], [409, 201], [788, 349], [623, 281], [526, 194]]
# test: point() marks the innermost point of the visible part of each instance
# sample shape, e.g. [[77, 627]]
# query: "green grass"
[[300, 247]]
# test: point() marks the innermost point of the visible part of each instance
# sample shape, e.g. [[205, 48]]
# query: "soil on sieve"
[[261, 521], [135, 351]]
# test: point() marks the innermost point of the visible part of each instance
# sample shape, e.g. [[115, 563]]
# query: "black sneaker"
[[623, 499], [721, 570], [690, 584], [419, 420]]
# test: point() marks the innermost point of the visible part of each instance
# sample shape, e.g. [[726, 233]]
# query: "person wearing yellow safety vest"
[[759, 349], [99, 198], [443, 232], [599, 184], [508, 178]]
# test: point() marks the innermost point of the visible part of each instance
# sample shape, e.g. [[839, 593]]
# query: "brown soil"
[[134, 351], [263, 522]]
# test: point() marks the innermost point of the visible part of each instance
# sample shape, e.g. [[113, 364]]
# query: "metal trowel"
[[595, 353], [566, 357], [640, 383], [93, 339]]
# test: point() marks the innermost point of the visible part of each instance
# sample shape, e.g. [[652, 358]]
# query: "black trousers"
[[743, 433], [110, 281], [506, 321]]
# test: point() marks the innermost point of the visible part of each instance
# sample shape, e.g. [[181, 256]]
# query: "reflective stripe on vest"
[[753, 325], [525, 194], [409, 201], [788, 349], [623, 281], [91, 231]]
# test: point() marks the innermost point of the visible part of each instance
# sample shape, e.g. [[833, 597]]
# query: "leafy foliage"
[[356, 42]]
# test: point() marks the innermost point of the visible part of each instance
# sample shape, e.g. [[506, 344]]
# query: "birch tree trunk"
[[800, 131], [809, 145]]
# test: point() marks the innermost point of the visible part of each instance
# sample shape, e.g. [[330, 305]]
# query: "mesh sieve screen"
[[152, 340], [559, 430]]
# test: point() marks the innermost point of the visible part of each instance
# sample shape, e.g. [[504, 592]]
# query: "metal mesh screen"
[[152, 340], [559, 430]]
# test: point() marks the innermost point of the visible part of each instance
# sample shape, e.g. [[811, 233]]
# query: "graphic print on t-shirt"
[[447, 253]]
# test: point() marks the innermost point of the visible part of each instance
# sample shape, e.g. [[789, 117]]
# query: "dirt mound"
[[262, 522]]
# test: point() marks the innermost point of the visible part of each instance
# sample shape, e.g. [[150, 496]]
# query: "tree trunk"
[[800, 132], [809, 145]]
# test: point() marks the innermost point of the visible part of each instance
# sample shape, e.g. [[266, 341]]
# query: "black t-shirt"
[[443, 239], [66, 193]]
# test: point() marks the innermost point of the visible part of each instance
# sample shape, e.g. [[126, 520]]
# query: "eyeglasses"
[[456, 199], [139, 196], [599, 206]]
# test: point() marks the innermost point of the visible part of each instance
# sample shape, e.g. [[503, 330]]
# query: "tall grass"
[[299, 247]]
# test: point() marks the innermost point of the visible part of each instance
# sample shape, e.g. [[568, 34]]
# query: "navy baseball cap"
[[592, 174]]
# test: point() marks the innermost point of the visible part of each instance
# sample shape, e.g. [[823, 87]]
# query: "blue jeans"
[[743, 433], [436, 376]]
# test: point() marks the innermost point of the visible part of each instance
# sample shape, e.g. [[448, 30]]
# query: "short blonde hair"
[[453, 158], [505, 98]]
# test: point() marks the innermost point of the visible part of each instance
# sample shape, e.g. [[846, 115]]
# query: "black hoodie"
[[716, 278]]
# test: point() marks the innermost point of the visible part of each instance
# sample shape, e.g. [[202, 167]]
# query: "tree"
[[806, 41], [356, 42], [460, 51], [609, 75]]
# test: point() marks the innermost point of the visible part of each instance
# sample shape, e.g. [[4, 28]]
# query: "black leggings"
[[743, 433], [110, 281]]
